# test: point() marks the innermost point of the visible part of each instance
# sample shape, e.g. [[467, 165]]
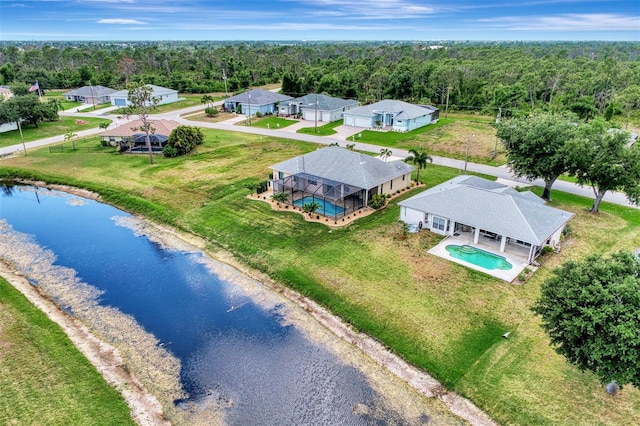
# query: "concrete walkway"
[[339, 138]]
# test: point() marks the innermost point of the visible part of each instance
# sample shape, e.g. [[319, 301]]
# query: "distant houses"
[[162, 94], [393, 115], [254, 101], [318, 107], [93, 95]]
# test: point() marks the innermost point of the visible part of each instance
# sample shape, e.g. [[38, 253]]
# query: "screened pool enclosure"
[[336, 199]]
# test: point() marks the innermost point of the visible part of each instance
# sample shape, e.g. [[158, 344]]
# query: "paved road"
[[499, 172]]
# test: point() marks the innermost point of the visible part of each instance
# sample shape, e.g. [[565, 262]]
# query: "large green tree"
[[183, 139], [28, 109], [142, 101], [536, 146], [591, 311], [602, 158]]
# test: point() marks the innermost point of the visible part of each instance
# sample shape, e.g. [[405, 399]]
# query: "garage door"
[[362, 122], [348, 120], [310, 115], [121, 102]]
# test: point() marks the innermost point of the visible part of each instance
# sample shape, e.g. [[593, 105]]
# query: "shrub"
[[258, 114], [183, 139], [170, 151], [211, 111], [546, 250], [377, 201]]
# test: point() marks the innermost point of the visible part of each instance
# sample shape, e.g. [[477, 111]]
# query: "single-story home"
[[254, 101], [317, 107], [93, 95], [393, 115], [340, 180], [487, 209], [164, 96], [5, 92], [128, 135]]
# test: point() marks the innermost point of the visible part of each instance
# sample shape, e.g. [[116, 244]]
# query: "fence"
[[69, 148]]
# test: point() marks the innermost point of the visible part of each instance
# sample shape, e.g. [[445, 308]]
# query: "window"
[[280, 175], [391, 184], [403, 176], [439, 223]]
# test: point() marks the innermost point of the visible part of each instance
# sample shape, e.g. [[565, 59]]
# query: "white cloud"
[[121, 21], [568, 22]]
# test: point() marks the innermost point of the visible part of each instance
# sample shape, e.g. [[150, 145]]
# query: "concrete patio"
[[516, 255]]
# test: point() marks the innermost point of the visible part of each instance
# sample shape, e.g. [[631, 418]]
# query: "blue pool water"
[[326, 207], [478, 257], [244, 349]]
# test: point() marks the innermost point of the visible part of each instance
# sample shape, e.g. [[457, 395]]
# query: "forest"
[[588, 78]]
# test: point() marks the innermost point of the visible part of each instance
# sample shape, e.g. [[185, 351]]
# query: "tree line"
[[587, 78]]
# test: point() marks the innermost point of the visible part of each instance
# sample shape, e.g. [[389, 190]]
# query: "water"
[[234, 342], [478, 257], [326, 207]]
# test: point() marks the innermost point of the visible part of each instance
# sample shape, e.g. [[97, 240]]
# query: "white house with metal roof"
[[486, 209], [254, 101], [318, 107], [339, 178], [93, 95], [162, 94], [394, 115]]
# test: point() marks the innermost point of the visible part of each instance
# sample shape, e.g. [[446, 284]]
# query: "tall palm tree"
[[385, 153], [420, 158], [69, 137], [207, 99]]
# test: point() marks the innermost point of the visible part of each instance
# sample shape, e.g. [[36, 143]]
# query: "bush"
[[183, 139], [377, 201], [211, 112], [258, 114], [170, 151], [546, 250]]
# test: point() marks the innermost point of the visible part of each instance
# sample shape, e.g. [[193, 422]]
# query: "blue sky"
[[319, 20]]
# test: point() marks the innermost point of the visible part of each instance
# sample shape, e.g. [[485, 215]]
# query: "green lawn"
[[44, 379], [440, 316], [49, 128], [269, 122], [189, 100], [323, 130]]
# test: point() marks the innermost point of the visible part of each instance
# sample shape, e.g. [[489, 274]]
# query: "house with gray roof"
[[162, 94], [92, 95], [318, 107], [340, 180], [393, 115], [254, 101], [486, 209]]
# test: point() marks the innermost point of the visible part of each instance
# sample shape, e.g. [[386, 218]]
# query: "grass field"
[[49, 128], [44, 379], [269, 122], [323, 130], [440, 316]]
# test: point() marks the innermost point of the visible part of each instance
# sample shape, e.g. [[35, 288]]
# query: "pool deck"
[[515, 255]]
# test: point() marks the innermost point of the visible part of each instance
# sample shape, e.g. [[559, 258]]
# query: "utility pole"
[[24, 147], [93, 99], [466, 158], [224, 77], [316, 111], [495, 147], [446, 110], [249, 110]]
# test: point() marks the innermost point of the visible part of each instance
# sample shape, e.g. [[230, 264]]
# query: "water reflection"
[[239, 350]]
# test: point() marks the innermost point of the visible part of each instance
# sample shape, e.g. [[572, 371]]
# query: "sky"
[[617, 20]]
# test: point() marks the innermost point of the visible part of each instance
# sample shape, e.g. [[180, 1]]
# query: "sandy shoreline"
[[146, 409]]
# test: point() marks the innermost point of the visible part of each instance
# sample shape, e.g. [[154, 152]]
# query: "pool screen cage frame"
[[340, 194]]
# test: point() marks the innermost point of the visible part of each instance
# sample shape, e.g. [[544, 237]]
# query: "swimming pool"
[[326, 207], [478, 257]]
